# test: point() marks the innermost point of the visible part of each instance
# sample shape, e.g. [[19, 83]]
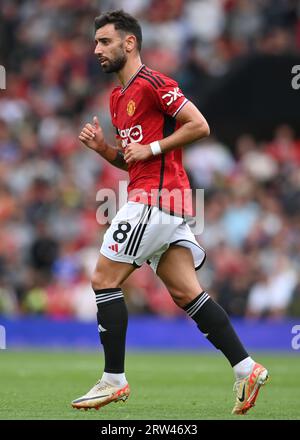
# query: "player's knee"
[[101, 281], [180, 297], [184, 295]]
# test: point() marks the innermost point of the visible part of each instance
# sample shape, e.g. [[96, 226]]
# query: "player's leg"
[[176, 270], [112, 314], [109, 273], [112, 319], [114, 265]]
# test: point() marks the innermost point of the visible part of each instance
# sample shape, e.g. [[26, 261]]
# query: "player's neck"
[[129, 70]]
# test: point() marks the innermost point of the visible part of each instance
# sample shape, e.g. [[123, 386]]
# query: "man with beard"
[[153, 121]]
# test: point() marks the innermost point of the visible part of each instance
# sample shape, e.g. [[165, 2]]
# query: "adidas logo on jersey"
[[114, 247]]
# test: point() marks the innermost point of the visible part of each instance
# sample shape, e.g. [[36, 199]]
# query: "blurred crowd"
[[49, 235]]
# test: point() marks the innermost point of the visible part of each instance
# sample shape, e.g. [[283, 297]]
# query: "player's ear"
[[130, 43]]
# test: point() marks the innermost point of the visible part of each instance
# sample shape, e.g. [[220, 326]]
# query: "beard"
[[113, 66]]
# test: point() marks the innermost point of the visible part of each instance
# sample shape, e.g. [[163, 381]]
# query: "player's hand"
[[135, 152], [92, 136]]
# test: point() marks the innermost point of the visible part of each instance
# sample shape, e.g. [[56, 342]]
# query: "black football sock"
[[112, 325], [213, 321]]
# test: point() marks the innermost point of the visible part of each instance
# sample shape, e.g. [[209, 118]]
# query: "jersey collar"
[[132, 78]]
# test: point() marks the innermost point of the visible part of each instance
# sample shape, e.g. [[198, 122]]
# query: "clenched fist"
[[135, 152], [92, 136]]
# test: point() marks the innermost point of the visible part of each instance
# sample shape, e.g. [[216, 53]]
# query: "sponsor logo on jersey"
[[172, 95], [132, 134], [131, 107]]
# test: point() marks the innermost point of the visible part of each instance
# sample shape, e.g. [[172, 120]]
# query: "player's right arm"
[[92, 136]]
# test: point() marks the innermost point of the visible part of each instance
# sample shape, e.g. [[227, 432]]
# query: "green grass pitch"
[[165, 386]]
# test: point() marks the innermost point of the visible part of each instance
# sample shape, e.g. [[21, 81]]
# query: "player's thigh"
[[176, 270], [109, 273]]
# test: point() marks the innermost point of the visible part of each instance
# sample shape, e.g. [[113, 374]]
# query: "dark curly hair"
[[123, 22]]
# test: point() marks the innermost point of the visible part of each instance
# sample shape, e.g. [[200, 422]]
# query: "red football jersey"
[[144, 111]]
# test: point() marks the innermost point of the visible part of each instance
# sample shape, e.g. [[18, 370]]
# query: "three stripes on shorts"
[[138, 232]]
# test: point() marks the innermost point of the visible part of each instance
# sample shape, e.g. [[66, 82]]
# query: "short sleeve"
[[170, 97]]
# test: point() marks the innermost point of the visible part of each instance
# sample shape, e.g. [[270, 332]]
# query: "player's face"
[[110, 48]]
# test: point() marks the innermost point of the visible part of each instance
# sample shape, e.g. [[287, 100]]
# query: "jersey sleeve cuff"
[[180, 107]]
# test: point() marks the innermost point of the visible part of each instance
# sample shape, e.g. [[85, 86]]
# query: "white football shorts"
[[141, 233]]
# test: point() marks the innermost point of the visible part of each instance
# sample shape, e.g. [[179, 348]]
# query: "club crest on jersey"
[[131, 107]]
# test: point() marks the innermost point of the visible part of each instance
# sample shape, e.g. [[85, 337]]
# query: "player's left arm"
[[193, 127]]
